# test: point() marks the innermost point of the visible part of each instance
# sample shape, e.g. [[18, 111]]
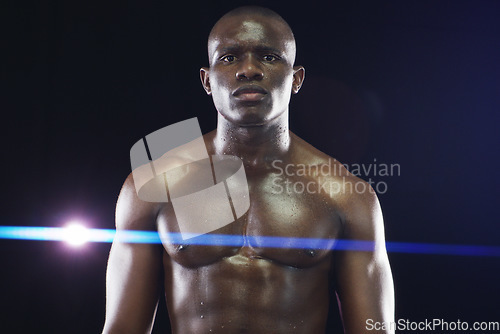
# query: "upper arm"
[[133, 280], [363, 278]]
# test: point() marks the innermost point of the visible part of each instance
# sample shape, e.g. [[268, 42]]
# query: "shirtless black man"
[[253, 288]]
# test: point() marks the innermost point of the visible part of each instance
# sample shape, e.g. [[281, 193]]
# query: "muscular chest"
[[282, 225]]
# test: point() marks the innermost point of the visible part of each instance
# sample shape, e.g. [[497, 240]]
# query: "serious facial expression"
[[251, 70]]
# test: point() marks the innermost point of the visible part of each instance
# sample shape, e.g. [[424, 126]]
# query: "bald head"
[[253, 22], [252, 74]]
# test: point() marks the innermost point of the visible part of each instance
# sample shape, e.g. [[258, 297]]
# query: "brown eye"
[[228, 58], [270, 58]]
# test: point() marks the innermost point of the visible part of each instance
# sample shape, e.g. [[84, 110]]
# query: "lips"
[[250, 93]]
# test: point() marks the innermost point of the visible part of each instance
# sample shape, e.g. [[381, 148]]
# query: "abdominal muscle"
[[246, 293]]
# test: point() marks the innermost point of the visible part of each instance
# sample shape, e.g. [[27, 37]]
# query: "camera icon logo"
[[172, 165]]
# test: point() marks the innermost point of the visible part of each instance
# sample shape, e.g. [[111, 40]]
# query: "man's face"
[[251, 74]]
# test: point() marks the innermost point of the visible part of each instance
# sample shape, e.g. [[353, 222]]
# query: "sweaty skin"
[[254, 289]]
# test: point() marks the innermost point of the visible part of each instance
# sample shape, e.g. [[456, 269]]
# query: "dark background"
[[415, 83]]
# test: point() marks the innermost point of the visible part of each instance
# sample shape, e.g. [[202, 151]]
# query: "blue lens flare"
[[108, 235]]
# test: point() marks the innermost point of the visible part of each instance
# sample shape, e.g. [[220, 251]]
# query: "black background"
[[414, 83]]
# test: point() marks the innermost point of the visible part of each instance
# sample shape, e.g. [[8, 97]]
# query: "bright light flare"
[[76, 234]]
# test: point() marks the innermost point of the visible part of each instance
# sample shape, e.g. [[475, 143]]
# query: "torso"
[[225, 289]]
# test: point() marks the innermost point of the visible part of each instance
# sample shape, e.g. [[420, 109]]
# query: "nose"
[[249, 69]]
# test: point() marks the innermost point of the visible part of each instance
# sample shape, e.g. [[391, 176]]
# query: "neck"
[[255, 145]]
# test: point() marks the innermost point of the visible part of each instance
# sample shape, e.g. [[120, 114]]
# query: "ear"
[[299, 73], [205, 81]]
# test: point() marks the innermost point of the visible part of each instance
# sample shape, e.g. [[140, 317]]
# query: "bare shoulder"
[[354, 199], [132, 213]]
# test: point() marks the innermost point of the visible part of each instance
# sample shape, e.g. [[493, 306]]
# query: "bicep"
[[363, 278], [133, 284], [134, 274], [365, 290]]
